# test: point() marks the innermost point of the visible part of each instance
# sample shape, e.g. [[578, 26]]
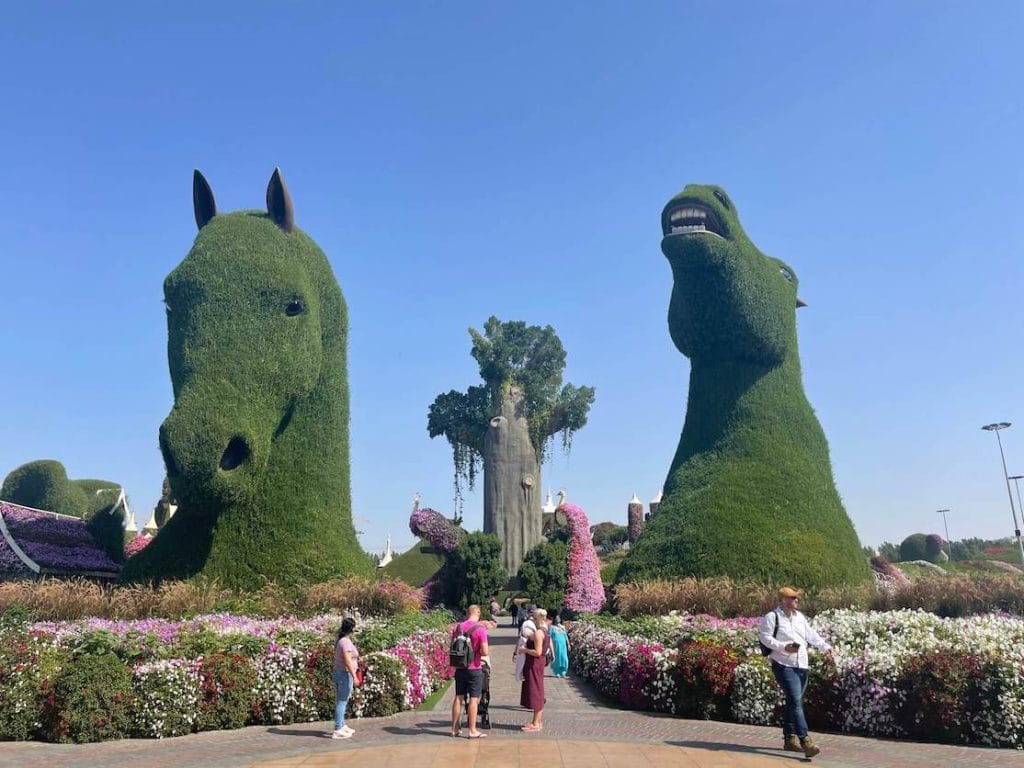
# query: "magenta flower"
[[435, 528]]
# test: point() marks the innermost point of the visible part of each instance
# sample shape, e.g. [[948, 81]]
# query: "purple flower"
[[436, 529]]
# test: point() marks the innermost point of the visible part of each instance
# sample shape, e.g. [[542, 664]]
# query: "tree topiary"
[[750, 493], [507, 424], [256, 445]]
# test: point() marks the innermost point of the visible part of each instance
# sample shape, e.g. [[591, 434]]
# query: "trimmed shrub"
[[91, 700], [370, 598], [383, 693], [751, 481], [44, 484], [940, 682], [257, 443], [935, 549], [414, 566], [704, 672], [226, 684]]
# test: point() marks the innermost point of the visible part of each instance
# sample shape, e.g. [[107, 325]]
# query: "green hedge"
[[414, 566], [750, 493], [256, 445]]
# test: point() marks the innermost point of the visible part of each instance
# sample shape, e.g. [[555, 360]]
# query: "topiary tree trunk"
[[512, 482]]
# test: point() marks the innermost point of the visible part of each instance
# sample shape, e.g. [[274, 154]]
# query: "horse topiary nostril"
[[235, 454]]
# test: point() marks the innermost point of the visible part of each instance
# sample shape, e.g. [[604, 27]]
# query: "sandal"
[[478, 735], [531, 728], [456, 734]]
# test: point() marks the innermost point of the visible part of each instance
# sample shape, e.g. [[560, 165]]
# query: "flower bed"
[[906, 674], [54, 542], [97, 679]]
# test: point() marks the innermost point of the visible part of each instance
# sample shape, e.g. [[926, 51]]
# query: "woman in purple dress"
[[535, 651]]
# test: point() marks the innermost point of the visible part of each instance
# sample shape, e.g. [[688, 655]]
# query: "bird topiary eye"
[[722, 198], [295, 307], [786, 274]]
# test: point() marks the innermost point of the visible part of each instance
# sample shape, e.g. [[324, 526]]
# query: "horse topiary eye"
[[295, 307], [722, 198], [786, 274]]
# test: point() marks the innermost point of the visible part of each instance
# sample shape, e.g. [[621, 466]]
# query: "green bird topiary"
[[750, 493], [256, 445]]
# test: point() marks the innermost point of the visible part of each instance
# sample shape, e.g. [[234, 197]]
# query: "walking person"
[[560, 644], [346, 664], [535, 652], [787, 633], [469, 681]]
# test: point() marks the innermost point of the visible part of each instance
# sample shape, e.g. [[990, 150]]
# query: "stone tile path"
[[579, 732]]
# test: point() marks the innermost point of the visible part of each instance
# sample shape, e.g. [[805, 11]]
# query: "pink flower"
[[584, 590]]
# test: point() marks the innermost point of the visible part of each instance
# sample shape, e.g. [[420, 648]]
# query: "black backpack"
[[460, 652], [765, 650]]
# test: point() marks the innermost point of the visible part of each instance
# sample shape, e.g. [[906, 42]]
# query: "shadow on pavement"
[[718, 746], [297, 732]]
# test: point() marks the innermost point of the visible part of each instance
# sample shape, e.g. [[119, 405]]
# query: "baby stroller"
[[483, 713]]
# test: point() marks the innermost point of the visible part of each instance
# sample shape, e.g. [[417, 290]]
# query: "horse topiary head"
[[256, 445], [252, 312], [729, 300]]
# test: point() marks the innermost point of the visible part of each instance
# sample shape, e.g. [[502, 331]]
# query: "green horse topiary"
[[750, 493], [256, 445]]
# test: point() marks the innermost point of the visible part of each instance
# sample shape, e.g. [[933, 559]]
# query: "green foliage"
[[544, 574], [90, 700], [610, 536], [528, 356], [383, 636], [44, 485], [889, 551], [226, 683], [473, 572], [25, 668], [914, 547], [383, 695], [414, 566], [256, 445], [750, 492]]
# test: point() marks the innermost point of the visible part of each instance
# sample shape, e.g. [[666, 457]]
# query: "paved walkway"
[[579, 732]]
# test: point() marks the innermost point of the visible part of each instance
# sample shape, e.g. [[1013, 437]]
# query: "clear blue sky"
[[458, 160]]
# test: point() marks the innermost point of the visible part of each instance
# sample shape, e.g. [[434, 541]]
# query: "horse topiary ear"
[[279, 202], [203, 204]]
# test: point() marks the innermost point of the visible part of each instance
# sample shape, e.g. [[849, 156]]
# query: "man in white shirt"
[[788, 634]]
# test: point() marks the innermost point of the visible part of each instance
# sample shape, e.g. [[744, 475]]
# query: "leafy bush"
[[704, 671], [473, 572], [935, 548], [226, 684], [543, 573], [940, 682], [384, 690], [91, 700], [26, 668], [166, 697]]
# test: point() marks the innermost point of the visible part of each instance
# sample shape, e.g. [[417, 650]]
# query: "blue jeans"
[[793, 682], [342, 691]]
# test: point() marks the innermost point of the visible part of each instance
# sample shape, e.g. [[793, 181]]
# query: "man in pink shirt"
[[470, 681]]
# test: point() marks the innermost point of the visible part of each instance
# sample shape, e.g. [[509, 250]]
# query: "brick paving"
[[579, 732]]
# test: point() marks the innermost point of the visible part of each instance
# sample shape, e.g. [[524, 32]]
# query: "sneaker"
[[346, 729], [792, 744], [810, 748], [341, 734]]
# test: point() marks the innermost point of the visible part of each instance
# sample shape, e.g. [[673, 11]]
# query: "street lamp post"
[[996, 427], [1016, 481], [949, 546]]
